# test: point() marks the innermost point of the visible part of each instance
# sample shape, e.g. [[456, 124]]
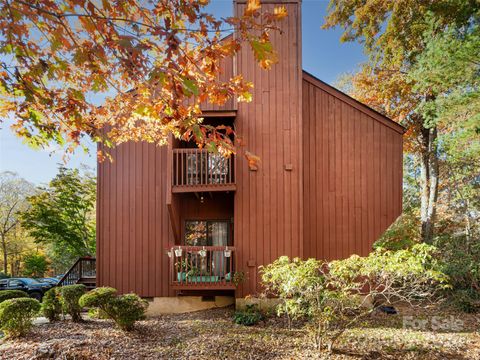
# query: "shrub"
[[333, 296], [126, 309], [98, 298], [95, 313], [467, 300], [69, 297], [16, 315], [51, 305], [123, 309], [248, 317], [11, 294]]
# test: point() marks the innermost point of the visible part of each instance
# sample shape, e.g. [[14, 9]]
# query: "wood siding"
[[133, 227], [352, 169], [328, 184], [268, 202]]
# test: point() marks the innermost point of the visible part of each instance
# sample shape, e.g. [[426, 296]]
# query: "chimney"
[[269, 201]]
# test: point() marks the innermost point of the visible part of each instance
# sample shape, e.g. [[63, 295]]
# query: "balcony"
[[197, 170], [202, 267]]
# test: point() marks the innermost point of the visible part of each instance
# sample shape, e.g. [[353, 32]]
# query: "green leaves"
[[63, 215], [264, 53], [190, 87]]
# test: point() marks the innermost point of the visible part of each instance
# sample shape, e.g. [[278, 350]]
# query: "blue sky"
[[323, 56]]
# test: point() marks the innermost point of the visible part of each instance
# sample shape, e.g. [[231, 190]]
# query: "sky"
[[323, 56]]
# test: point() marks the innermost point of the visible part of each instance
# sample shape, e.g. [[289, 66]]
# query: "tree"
[[13, 193], [35, 265], [63, 215], [394, 37], [126, 70]]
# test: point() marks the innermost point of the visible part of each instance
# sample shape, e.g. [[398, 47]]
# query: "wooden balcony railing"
[[200, 170], [202, 267]]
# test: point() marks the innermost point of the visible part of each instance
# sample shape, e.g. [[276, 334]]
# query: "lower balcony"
[[202, 267]]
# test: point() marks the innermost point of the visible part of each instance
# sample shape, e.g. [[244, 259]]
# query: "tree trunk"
[[5, 260], [429, 172]]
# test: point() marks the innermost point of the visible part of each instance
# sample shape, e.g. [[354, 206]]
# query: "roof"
[[353, 102]]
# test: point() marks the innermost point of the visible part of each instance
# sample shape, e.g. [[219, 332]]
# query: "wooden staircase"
[[84, 271]]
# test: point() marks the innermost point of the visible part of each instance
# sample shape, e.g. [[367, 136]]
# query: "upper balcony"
[[197, 170]]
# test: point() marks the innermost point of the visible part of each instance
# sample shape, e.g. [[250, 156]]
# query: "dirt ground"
[[211, 334]]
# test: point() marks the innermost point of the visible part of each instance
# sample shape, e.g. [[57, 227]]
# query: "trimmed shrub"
[[51, 305], [12, 294], [95, 313], [16, 315], [98, 298], [70, 295], [248, 317], [123, 309], [126, 309]]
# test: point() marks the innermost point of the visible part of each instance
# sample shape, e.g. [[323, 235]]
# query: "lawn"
[[212, 335]]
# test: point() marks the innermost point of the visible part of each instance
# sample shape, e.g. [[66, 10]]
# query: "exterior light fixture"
[[227, 252], [169, 253], [178, 252], [203, 252]]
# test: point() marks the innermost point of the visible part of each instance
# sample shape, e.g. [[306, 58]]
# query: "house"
[[180, 225]]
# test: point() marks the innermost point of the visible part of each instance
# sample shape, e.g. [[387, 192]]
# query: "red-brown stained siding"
[[268, 202], [133, 224], [352, 169]]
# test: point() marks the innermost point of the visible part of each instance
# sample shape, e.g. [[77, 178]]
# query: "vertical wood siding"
[[352, 173], [133, 227], [268, 202]]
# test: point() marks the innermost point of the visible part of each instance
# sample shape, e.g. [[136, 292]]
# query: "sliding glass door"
[[209, 233]]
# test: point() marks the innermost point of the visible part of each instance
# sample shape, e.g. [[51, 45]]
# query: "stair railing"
[[83, 268]]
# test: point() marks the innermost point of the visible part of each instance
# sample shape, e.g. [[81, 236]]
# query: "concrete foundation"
[[263, 304], [183, 304]]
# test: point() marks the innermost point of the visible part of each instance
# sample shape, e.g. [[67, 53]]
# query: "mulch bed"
[[212, 335]]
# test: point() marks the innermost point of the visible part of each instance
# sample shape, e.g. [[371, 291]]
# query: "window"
[[207, 233]]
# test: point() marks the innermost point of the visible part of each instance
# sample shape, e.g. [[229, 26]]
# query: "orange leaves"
[[252, 160], [139, 71], [280, 12], [252, 7]]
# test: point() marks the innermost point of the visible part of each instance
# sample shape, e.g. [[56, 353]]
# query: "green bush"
[[95, 313], [123, 309], [69, 297], [126, 309], [11, 294], [51, 305], [16, 315], [248, 317], [98, 298], [466, 300], [334, 296]]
